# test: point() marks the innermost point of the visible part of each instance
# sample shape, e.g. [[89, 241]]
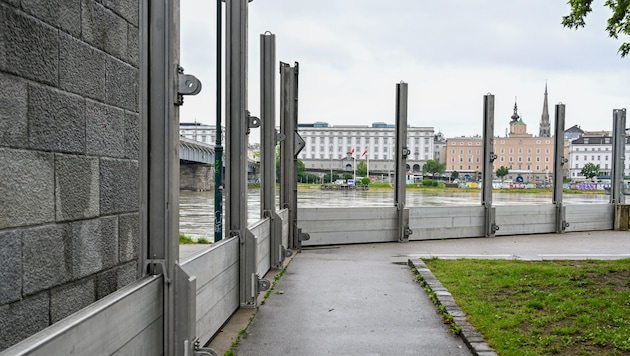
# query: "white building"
[[328, 147], [596, 150], [200, 132]]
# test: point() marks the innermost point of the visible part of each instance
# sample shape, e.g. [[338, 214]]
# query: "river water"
[[196, 217]]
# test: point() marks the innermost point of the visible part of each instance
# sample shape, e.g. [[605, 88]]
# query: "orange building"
[[528, 158]]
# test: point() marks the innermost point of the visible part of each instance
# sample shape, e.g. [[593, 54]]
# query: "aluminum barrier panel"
[[525, 219], [217, 275], [261, 230], [284, 215], [330, 226], [590, 217], [430, 223], [126, 322]]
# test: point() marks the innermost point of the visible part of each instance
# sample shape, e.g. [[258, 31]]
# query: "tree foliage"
[[433, 166], [502, 172], [590, 170], [454, 175], [361, 169], [618, 23]]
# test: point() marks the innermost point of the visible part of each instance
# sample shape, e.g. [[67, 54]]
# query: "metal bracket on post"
[[298, 144], [303, 236], [188, 85], [561, 223], [252, 121], [202, 351], [263, 285], [154, 263], [491, 225]]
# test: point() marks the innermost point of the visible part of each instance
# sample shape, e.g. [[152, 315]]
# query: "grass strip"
[[543, 307]]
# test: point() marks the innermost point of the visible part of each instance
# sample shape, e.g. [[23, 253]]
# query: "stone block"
[[119, 186], [28, 47], [121, 85], [64, 14], [27, 189], [13, 111], [127, 273], [106, 283], [105, 130], [46, 261], [77, 188], [81, 68], [94, 245], [56, 120], [127, 9], [70, 298], [103, 29], [132, 135], [23, 319], [128, 237], [10, 266], [133, 45]]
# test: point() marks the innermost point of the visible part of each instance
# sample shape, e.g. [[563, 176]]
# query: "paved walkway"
[[362, 299]]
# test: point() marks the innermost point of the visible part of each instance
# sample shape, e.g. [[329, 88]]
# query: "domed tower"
[[517, 126]]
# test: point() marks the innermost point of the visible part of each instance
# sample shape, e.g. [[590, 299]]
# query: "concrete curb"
[[472, 338]]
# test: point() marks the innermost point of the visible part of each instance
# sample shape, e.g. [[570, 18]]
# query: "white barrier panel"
[[262, 230], [525, 219], [429, 223], [331, 226], [284, 215], [588, 217], [216, 270], [126, 322]]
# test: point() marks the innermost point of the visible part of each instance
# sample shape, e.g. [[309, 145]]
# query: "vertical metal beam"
[[619, 149], [402, 151], [290, 147], [558, 169], [237, 130], [490, 226], [160, 117], [268, 140], [218, 148]]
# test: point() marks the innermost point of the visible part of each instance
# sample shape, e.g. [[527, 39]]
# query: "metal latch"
[[252, 122], [202, 351], [188, 84], [405, 152], [154, 263], [493, 156]]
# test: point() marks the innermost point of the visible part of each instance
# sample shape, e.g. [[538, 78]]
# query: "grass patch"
[[543, 307], [187, 240]]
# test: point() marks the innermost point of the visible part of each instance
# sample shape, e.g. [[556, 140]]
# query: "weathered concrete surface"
[[351, 300]]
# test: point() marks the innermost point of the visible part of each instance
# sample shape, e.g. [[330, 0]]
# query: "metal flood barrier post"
[[558, 169], [238, 124], [619, 149], [402, 152], [269, 140], [490, 226], [291, 143], [163, 86]]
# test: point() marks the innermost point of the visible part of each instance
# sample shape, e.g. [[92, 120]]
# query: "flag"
[[351, 152], [364, 152]]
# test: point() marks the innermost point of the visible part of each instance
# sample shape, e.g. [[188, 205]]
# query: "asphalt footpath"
[[363, 299]]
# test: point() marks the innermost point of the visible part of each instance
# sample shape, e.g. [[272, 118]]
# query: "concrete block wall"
[[69, 149]]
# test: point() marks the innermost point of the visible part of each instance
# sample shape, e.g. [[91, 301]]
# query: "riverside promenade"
[[363, 299]]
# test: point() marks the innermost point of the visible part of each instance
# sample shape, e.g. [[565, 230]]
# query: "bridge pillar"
[[402, 151], [559, 161], [490, 226]]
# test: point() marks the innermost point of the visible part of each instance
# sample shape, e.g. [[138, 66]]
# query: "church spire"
[[545, 125], [515, 117]]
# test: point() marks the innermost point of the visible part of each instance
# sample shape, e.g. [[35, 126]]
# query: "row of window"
[[502, 151], [478, 143]]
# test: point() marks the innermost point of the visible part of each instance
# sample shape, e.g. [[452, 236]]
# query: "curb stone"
[[472, 338]]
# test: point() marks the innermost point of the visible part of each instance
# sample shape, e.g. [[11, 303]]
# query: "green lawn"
[[543, 307]]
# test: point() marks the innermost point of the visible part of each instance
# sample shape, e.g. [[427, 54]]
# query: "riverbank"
[[420, 188]]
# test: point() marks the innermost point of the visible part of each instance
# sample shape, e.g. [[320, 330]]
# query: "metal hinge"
[[188, 84], [154, 263]]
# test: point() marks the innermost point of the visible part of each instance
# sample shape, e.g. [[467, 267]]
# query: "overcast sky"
[[450, 52]]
